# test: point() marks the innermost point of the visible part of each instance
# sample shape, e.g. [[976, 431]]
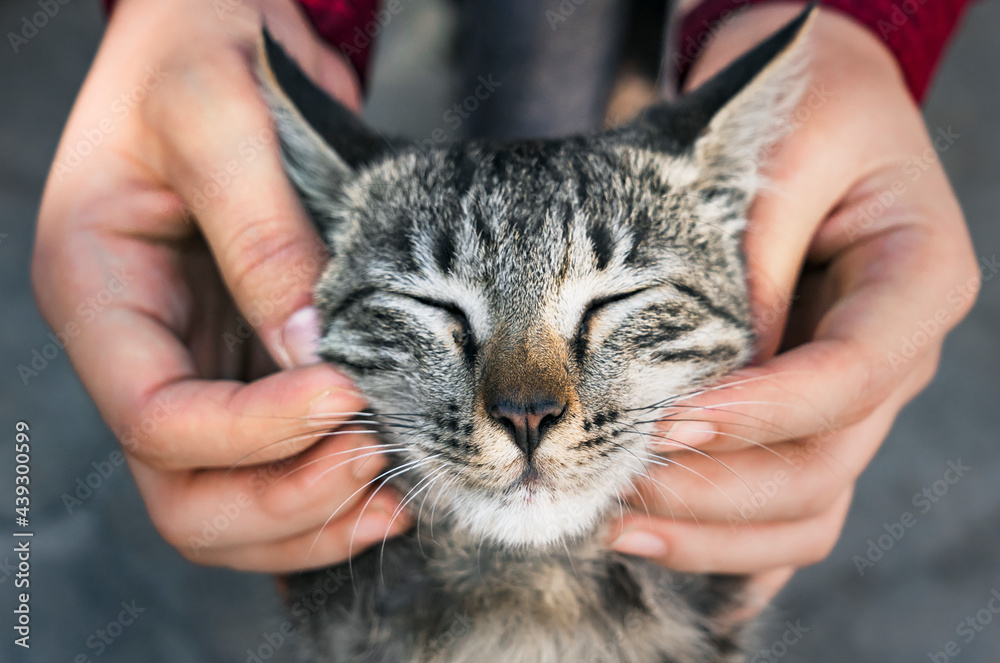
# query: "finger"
[[761, 589], [718, 548], [781, 226], [277, 500], [736, 425], [866, 191], [222, 157], [367, 525], [789, 481], [131, 355], [180, 421], [890, 310], [171, 419], [221, 423]]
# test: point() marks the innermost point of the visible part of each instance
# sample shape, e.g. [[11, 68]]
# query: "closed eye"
[[464, 338], [595, 307]]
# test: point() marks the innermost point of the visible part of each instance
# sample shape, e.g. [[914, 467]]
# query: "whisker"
[[304, 417], [646, 473], [331, 415], [389, 474], [366, 413], [748, 440], [330, 469], [569, 557], [668, 441], [294, 438], [409, 497], [668, 462], [674, 493], [664, 440], [741, 383], [743, 424], [381, 449], [453, 481], [621, 504], [687, 447], [420, 511], [718, 387], [715, 406], [338, 423], [720, 408], [399, 471]]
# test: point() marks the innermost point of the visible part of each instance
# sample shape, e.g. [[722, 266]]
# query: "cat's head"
[[513, 311]]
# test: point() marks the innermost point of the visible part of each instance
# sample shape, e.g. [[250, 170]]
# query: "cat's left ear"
[[727, 123], [323, 144]]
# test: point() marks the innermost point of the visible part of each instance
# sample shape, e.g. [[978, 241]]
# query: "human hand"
[[170, 122], [861, 233]]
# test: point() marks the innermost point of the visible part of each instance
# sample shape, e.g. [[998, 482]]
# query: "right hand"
[[148, 296]]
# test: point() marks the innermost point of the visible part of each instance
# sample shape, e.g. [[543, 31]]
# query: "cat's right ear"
[[323, 144]]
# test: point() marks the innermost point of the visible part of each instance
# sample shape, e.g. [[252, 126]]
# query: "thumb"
[[222, 156]]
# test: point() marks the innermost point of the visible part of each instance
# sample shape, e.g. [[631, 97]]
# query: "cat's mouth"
[[531, 512], [529, 478], [528, 487]]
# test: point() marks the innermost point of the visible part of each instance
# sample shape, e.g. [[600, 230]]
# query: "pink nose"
[[527, 423]]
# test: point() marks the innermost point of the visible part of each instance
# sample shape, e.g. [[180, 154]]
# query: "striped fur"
[[603, 272]]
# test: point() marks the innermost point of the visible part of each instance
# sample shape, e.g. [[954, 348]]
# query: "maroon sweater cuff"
[[916, 31], [350, 26]]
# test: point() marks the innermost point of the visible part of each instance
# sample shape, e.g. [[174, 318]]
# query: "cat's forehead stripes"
[[534, 234], [516, 315], [524, 201]]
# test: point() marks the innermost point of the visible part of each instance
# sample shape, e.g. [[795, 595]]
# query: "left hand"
[[862, 233]]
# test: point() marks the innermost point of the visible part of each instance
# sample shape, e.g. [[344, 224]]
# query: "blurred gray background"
[[905, 608]]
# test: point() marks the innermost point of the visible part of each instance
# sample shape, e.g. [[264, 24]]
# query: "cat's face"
[[515, 313], [556, 288]]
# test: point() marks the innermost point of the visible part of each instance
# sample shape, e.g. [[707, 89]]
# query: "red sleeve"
[[350, 26], [916, 31]]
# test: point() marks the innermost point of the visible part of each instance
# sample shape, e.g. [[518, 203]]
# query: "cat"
[[518, 313]]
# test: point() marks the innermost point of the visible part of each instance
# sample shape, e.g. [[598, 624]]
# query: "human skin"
[[197, 245], [861, 231], [250, 250]]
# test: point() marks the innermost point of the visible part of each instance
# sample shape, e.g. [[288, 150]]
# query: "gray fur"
[[604, 272]]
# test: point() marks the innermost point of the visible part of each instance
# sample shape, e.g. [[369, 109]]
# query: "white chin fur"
[[540, 520]]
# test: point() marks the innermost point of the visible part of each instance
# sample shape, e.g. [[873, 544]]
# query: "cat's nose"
[[527, 423]]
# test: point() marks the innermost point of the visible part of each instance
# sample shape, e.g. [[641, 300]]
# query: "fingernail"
[[371, 527], [689, 434], [641, 543], [374, 524], [337, 402], [753, 597], [300, 337]]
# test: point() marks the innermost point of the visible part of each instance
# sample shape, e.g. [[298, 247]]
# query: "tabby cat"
[[517, 314]]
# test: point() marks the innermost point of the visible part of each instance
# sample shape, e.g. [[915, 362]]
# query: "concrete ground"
[[907, 607]]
